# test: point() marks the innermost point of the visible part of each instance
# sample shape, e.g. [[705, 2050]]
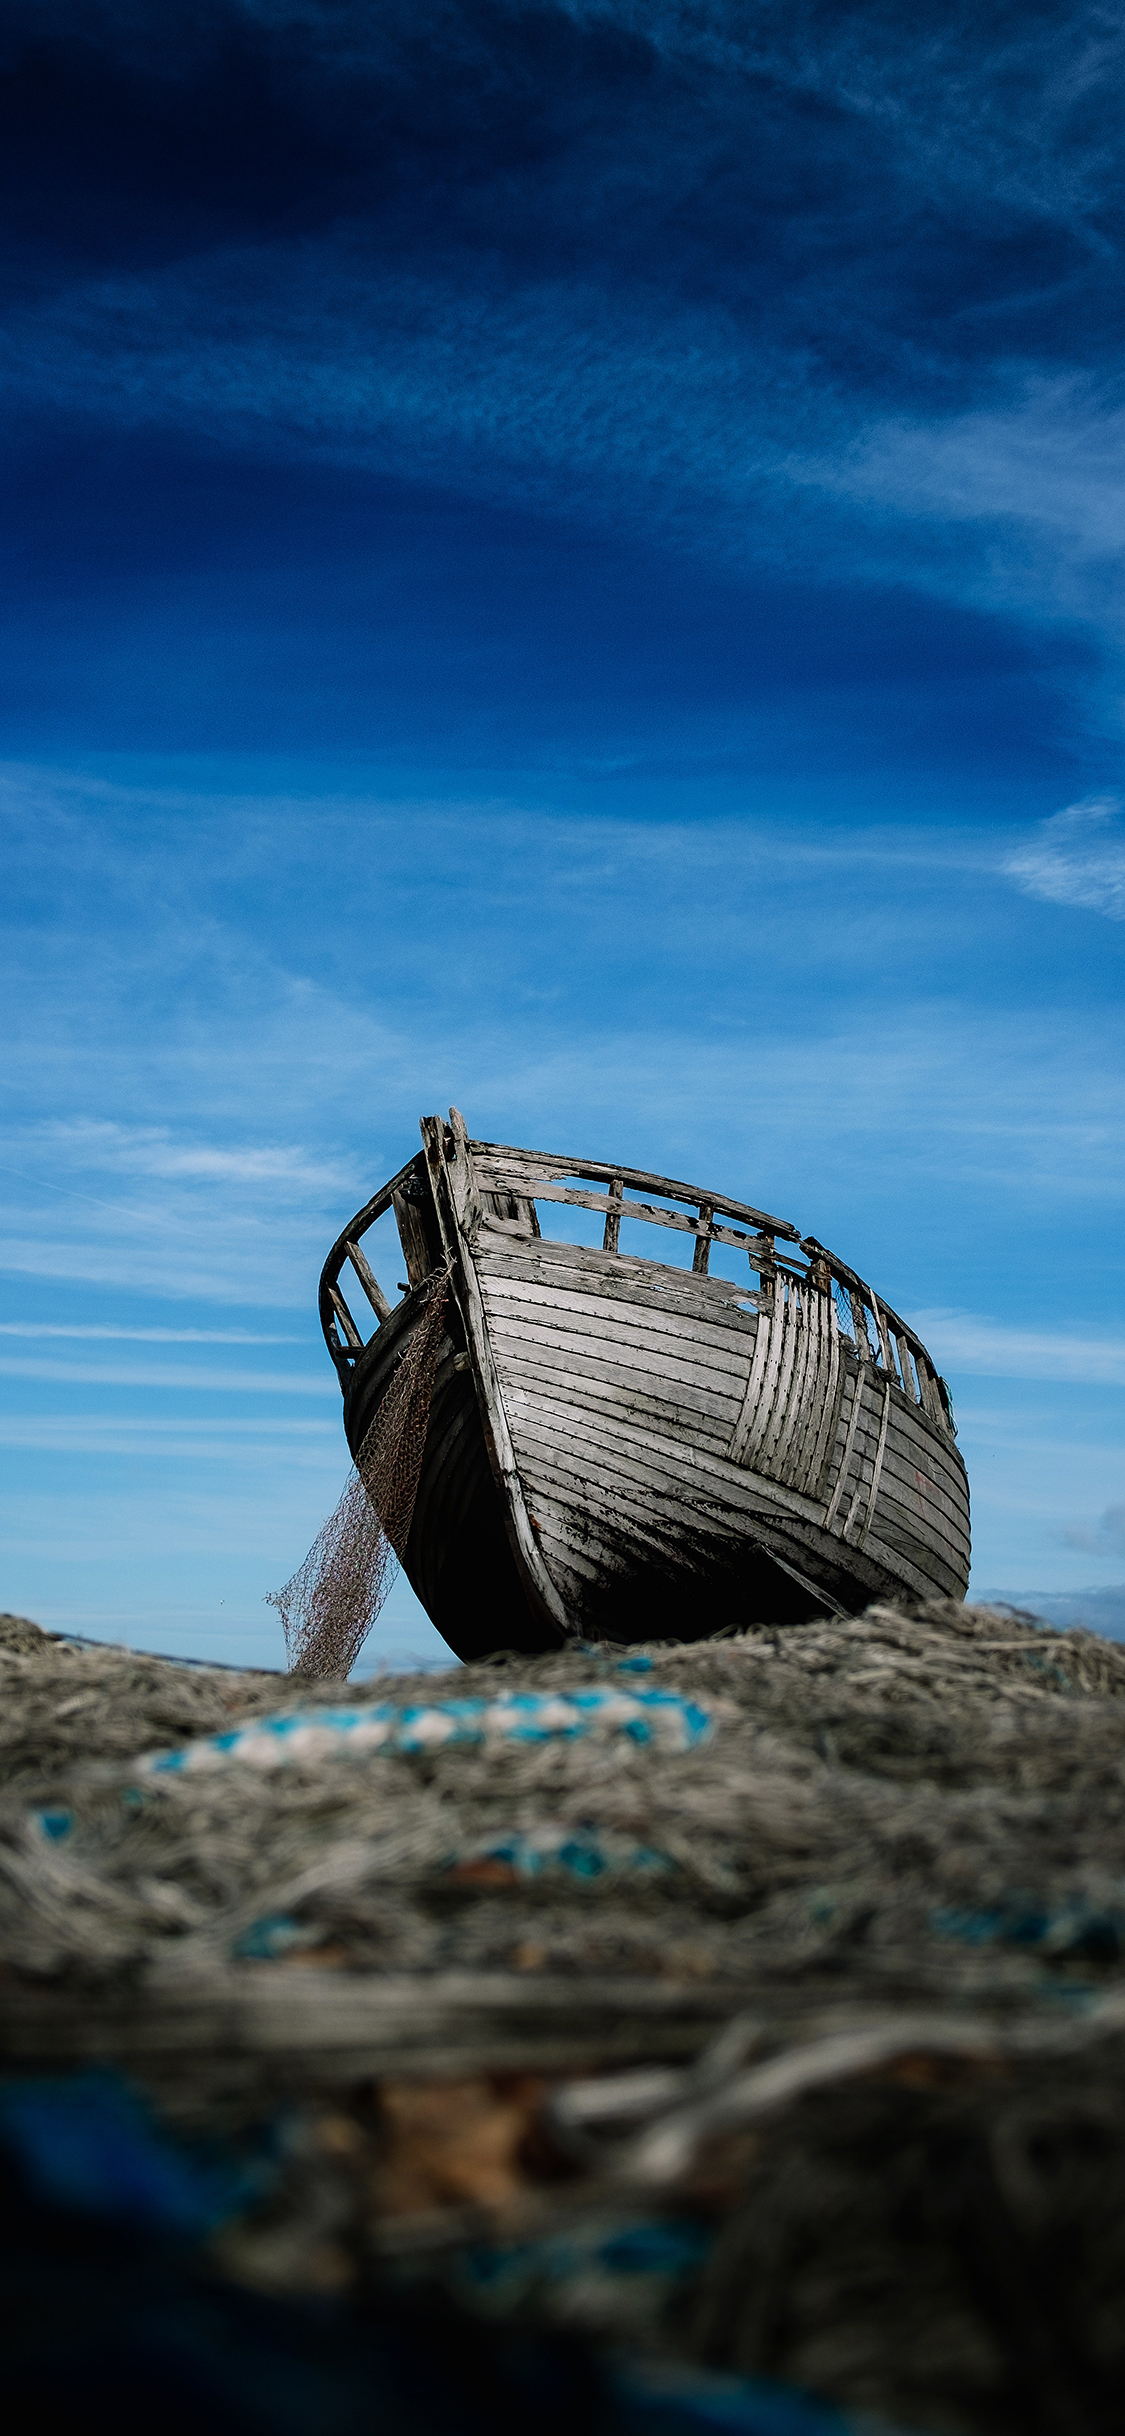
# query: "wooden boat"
[[618, 1447]]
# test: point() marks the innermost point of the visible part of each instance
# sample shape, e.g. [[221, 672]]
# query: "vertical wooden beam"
[[859, 1323], [762, 1255], [612, 1235], [887, 1361], [903, 1344], [702, 1253]]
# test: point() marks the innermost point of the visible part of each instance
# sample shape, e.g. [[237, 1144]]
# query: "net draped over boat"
[[329, 1605]]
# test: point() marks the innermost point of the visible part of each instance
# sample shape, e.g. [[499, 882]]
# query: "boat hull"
[[684, 1456]]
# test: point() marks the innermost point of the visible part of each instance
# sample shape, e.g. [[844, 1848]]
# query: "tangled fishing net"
[[757, 2003], [330, 1604]]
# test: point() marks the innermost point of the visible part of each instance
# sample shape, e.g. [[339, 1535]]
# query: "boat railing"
[[512, 1182], [876, 1332], [343, 1338]]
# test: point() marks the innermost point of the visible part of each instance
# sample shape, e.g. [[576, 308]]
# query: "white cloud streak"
[[1077, 858], [143, 1336], [962, 1341], [169, 1375]]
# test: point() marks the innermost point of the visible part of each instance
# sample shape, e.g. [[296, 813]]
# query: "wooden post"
[[859, 1323], [702, 1253], [762, 1255], [612, 1235]]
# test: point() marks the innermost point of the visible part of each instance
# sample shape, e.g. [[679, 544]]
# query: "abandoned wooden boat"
[[618, 1447]]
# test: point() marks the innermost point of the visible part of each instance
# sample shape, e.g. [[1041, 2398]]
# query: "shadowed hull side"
[[457, 1558]]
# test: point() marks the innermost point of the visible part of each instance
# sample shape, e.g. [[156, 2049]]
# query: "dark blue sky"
[[568, 556]]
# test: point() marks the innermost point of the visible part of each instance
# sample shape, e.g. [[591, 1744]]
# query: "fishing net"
[[330, 1604], [755, 2002]]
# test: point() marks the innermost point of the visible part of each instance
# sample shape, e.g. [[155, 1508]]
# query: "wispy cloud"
[[143, 1336], [101, 1147], [180, 1375], [993, 1350], [1077, 858], [163, 1439]]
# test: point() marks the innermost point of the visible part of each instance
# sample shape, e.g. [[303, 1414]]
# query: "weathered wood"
[[412, 1236], [873, 1492], [646, 1210], [641, 1416], [716, 1326], [688, 1353], [854, 1419], [369, 1282], [640, 1283], [612, 1232], [684, 1391], [494, 1159], [352, 1338], [459, 1184], [906, 1373], [642, 1456]]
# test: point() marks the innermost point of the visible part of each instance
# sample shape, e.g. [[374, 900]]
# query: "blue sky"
[[568, 559]]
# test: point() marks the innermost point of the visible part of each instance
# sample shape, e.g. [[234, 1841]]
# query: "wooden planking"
[[952, 1528], [715, 1329], [685, 1388], [844, 1465], [901, 1481], [598, 1383], [624, 1452], [778, 1533], [693, 1384], [899, 1533], [947, 1519], [618, 1273], [936, 1446], [811, 1405], [721, 1359], [787, 1422], [914, 1517], [950, 1513], [905, 1457], [871, 1495], [598, 1541], [606, 1533], [622, 1512], [707, 1482], [914, 1490], [823, 1444]]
